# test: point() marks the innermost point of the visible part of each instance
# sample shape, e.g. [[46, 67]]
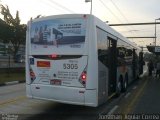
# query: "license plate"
[[55, 82]]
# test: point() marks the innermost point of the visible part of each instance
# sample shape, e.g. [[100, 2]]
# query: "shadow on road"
[[65, 111]]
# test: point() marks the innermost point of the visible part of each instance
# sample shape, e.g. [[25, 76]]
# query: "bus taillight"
[[83, 78]]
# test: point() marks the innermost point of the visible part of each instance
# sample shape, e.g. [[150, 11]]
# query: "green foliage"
[[12, 74], [5, 32], [13, 31]]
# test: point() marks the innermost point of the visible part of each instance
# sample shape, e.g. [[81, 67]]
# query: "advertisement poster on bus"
[[57, 34]]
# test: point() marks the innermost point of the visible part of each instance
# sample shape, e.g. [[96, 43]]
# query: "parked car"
[[19, 58]]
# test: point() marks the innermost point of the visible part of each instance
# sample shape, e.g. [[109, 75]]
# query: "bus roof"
[[60, 16], [107, 28]]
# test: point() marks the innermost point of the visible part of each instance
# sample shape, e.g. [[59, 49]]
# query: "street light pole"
[[155, 33], [91, 8], [155, 30], [8, 51], [91, 5]]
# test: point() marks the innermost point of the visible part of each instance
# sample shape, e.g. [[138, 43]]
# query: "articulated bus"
[[78, 59]]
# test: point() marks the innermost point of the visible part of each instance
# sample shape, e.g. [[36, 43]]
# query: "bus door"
[[112, 66]]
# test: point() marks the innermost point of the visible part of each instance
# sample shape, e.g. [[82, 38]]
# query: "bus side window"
[[120, 52], [129, 52], [103, 57], [121, 56]]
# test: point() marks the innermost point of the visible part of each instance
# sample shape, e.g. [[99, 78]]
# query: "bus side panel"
[[102, 83], [102, 48], [28, 91], [92, 70], [62, 94], [91, 95], [28, 80], [91, 98]]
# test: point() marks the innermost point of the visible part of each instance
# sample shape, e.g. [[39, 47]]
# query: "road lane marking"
[[111, 96], [126, 96], [112, 110], [132, 103], [12, 100]]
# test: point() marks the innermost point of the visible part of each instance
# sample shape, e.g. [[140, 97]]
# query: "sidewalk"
[[12, 83]]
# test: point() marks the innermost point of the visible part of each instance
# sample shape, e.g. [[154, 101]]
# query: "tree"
[[16, 30], [4, 32]]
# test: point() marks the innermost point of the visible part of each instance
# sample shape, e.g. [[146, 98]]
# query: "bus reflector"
[[32, 75], [43, 64]]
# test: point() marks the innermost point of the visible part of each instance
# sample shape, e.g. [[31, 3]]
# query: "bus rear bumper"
[[62, 94]]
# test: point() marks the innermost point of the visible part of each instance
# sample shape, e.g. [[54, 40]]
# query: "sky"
[[113, 11]]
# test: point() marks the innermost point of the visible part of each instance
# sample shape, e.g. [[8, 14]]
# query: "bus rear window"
[[57, 35]]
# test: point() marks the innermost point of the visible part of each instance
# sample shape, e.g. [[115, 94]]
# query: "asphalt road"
[[142, 100], [14, 102]]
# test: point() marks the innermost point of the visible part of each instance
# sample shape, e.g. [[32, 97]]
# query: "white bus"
[[78, 59]]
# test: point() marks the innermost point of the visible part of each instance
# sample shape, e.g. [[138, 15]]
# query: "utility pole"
[[127, 24], [149, 23], [156, 31], [140, 37]]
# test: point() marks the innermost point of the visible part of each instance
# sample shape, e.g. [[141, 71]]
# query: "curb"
[[11, 83]]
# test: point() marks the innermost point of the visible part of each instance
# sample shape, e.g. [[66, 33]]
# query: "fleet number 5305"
[[70, 66]]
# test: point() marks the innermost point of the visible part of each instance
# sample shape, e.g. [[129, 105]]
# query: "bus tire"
[[137, 78], [125, 83]]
